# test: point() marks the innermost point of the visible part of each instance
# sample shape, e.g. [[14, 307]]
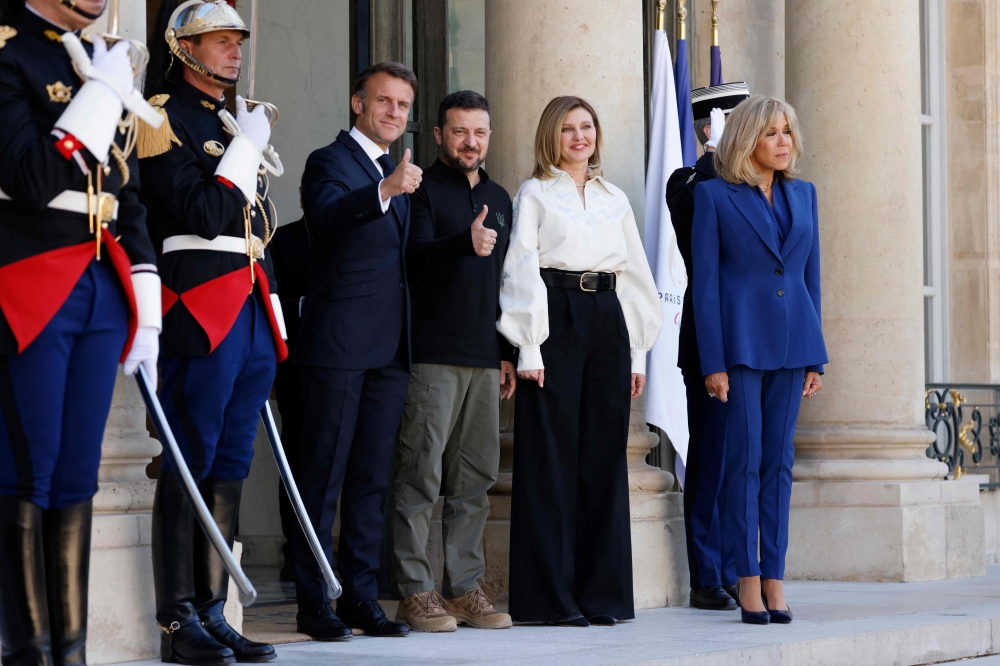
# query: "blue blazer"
[[358, 302], [756, 304]]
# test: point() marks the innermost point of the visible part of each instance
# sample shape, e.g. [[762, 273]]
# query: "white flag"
[[666, 401]]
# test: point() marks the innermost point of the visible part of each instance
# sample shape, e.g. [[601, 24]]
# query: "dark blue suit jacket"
[[756, 304], [358, 306]]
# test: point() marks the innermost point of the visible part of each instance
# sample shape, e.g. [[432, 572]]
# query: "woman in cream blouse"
[[578, 300]]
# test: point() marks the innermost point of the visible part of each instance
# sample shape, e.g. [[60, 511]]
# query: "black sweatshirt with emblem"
[[455, 293]]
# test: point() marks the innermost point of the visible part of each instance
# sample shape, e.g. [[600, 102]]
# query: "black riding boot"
[[67, 573], [24, 609], [211, 578], [184, 639]]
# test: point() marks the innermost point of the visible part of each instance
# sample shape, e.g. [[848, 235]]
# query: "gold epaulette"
[[152, 142], [6, 33]]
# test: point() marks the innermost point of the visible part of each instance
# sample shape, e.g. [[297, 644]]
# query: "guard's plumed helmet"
[[198, 17]]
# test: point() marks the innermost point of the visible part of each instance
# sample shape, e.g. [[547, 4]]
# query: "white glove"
[[253, 125], [115, 63], [145, 350], [718, 125]]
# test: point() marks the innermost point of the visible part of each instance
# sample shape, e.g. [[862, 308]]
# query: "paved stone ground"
[[854, 624]]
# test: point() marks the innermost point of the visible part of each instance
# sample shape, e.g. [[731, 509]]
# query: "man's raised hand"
[[483, 239], [404, 180]]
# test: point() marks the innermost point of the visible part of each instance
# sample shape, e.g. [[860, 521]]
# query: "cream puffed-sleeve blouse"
[[553, 230]]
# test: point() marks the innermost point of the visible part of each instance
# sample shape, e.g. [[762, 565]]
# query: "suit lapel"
[[800, 217], [743, 198], [395, 205]]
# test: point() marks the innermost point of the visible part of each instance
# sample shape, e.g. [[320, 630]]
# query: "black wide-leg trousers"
[[570, 536]]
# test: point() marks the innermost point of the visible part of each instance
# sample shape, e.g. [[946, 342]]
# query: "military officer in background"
[[713, 573], [79, 291], [223, 328]]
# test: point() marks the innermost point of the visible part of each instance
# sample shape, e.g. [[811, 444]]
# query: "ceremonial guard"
[[78, 293], [211, 220]]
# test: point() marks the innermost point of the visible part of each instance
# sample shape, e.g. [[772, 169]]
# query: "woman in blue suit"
[[755, 249]]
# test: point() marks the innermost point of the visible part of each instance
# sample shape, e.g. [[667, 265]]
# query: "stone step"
[[836, 624]]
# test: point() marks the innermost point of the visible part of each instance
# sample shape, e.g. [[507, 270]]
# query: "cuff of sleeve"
[[279, 315], [638, 361], [815, 368], [530, 358], [383, 203], [239, 166], [465, 243], [92, 117], [146, 287]]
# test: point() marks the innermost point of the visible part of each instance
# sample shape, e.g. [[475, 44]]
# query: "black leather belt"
[[589, 282]]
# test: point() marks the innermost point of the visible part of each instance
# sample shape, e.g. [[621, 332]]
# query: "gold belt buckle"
[[582, 276], [106, 207], [256, 248]]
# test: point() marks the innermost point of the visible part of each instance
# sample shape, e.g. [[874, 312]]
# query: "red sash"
[[216, 304], [32, 290]]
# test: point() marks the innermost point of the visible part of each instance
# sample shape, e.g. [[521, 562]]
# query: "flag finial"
[[682, 14], [715, 22], [661, 15]]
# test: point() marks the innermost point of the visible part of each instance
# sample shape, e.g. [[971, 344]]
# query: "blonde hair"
[[548, 145], [745, 127]]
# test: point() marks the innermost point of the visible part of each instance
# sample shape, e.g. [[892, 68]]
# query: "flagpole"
[[715, 22], [682, 14], [716, 75], [661, 15]]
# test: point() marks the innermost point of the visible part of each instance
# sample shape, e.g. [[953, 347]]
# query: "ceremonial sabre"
[[248, 594], [333, 587], [272, 110]]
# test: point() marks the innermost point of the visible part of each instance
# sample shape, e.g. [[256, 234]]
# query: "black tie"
[[385, 162]]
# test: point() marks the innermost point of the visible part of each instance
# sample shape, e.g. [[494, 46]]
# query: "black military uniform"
[[290, 254], [223, 330], [711, 566], [71, 268]]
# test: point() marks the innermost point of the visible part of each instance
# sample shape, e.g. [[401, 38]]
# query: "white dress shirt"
[[374, 151], [553, 230]]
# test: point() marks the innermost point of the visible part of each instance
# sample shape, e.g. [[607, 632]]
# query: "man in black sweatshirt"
[[450, 442]]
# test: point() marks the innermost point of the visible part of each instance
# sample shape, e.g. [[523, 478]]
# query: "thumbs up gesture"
[[404, 180], [483, 239]]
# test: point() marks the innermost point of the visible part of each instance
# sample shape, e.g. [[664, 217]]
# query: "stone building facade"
[[900, 106]]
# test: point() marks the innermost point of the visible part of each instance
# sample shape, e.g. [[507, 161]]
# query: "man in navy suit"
[[354, 350]]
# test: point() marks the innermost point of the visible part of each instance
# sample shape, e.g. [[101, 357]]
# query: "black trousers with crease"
[[570, 541]]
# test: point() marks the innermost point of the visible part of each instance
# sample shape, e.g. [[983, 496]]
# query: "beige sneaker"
[[423, 612], [476, 610]]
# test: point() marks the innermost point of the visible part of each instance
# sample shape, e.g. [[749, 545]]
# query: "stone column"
[[537, 50], [122, 614], [868, 504]]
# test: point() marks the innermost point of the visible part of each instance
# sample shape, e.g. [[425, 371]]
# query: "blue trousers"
[[704, 497], [213, 402], [760, 422], [56, 394]]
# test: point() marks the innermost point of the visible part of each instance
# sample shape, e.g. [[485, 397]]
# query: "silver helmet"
[[198, 17]]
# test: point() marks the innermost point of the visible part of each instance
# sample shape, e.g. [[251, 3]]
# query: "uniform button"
[[781, 292], [778, 272], [402, 286]]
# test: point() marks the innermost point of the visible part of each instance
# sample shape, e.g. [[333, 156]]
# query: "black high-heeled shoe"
[[777, 616], [752, 617]]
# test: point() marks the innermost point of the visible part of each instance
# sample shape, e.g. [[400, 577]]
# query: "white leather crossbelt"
[[217, 244], [76, 202]]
